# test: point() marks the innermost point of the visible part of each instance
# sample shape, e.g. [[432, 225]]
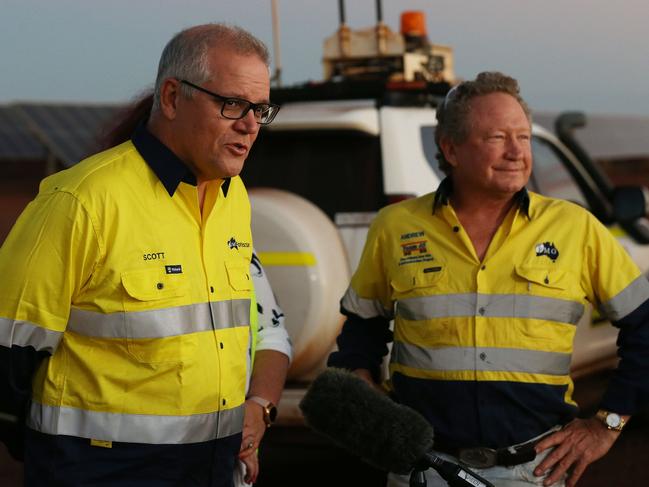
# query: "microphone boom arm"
[[454, 474]]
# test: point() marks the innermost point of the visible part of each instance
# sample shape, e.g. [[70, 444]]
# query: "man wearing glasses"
[[125, 315]]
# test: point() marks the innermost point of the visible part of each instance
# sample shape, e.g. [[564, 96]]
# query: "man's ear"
[[448, 149], [169, 95]]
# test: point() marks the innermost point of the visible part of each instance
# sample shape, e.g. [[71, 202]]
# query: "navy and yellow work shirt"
[[141, 299], [482, 348]]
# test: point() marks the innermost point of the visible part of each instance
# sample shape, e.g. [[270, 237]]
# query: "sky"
[[590, 55]]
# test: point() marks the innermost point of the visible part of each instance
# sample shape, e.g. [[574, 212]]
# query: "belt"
[[485, 457]]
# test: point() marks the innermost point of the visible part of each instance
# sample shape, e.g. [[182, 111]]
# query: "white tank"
[[304, 257]]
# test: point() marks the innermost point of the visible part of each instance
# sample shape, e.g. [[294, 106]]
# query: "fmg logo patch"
[[548, 249]]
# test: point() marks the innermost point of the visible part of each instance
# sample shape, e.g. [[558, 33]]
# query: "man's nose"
[[248, 123], [515, 147]]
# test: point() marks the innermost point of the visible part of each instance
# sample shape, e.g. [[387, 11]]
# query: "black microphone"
[[390, 436]]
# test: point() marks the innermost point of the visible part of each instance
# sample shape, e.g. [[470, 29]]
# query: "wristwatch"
[[613, 421], [270, 411]]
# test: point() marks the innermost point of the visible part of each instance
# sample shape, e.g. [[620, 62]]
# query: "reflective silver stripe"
[[365, 308], [23, 333], [160, 322], [228, 314], [490, 305], [135, 428], [482, 359], [627, 300], [438, 306]]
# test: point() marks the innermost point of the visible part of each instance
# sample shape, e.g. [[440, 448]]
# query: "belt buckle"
[[479, 457]]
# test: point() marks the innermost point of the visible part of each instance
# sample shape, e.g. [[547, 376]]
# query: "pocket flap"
[[552, 278], [151, 284], [418, 277], [238, 275]]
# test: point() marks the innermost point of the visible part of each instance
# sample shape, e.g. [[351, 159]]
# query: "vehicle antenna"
[[381, 30], [343, 31], [277, 77]]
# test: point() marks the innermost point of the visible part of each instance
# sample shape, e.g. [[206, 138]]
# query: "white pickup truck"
[[340, 150]]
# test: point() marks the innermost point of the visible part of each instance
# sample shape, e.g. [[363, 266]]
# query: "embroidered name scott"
[[154, 256]]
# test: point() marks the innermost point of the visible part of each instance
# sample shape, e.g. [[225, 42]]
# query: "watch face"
[[613, 420], [272, 413]]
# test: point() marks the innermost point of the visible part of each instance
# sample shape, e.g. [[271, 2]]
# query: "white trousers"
[[517, 476], [240, 474]]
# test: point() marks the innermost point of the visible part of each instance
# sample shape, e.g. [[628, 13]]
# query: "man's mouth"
[[237, 148]]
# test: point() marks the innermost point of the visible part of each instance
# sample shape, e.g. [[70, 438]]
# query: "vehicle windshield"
[[340, 171], [550, 176]]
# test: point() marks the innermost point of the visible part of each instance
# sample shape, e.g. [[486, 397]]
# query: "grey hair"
[[186, 55], [453, 113]]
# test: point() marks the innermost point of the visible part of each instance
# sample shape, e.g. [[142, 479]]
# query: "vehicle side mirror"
[[630, 203]]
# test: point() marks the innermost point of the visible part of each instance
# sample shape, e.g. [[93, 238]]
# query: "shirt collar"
[[445, 189], [169, 169]]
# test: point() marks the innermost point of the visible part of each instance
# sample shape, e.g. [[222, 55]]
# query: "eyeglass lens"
[[237, 108], [234, 108]]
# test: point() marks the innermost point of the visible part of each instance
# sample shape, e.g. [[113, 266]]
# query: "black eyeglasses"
[[237, 108]]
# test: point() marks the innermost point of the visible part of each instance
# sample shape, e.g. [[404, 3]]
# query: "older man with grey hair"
[[486, 283], [125, 326]]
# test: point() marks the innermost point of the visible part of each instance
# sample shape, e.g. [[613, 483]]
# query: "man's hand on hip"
[[576, 446]]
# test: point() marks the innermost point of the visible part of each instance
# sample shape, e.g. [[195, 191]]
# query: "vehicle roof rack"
[[391, 93]]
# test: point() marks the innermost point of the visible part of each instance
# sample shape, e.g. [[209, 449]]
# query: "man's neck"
[[202, 189], [479, 208], [161, 131], [481, 216]]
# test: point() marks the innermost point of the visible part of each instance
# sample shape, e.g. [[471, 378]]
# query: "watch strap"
[[270, 411], [260, 400]]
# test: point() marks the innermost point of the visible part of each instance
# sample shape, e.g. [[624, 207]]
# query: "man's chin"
[[229, 170], [513, 184]]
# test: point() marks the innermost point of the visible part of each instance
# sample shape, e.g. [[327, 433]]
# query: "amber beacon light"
[[413, 23]]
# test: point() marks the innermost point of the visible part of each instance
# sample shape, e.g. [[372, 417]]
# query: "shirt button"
[[221, 345], [481, 311], [483, 356], [160, 285], [456, 229], [224, 402], [211, 289], [483, 267]]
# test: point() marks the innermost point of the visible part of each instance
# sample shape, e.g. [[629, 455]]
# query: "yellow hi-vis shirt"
[[483, 348], [143, 302]]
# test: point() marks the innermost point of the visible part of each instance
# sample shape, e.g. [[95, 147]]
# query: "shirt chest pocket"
[[422, 280], [239, 278], [158, 325], [552, 294], [144, 286], [543, 280]]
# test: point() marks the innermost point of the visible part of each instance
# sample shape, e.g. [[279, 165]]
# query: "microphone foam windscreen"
[[365, 422]]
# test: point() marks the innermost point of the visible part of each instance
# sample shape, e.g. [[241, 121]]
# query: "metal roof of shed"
[[67, 131]]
